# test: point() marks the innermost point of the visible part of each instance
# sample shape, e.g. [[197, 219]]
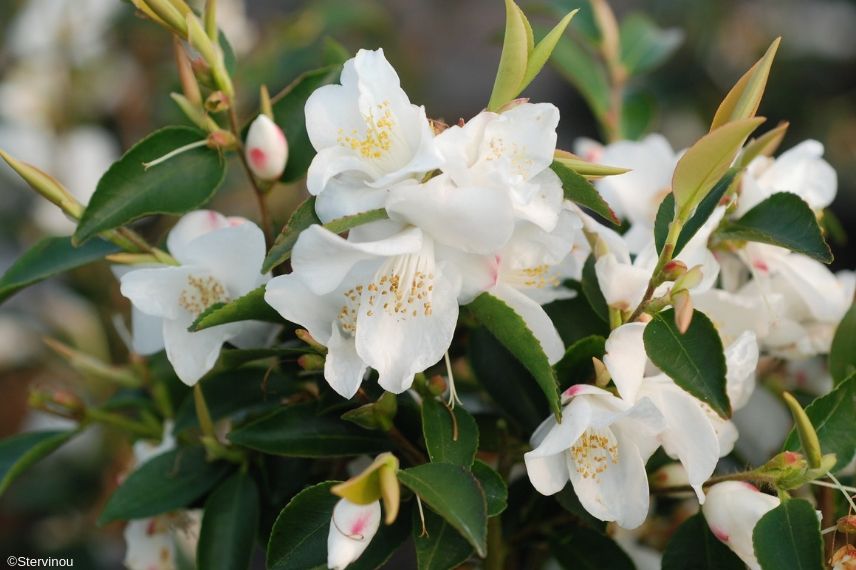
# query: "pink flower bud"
[[351, 530], [266, 149]]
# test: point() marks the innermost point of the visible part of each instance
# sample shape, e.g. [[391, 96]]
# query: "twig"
[[266, 224]]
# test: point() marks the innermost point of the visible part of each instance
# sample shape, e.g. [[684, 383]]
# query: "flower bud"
[[311, 362], [732, 509], [847, 524], [352, 528], [683, 304], [844, 558], [266, 149], [787, 470], [674, 269], [690, 279]]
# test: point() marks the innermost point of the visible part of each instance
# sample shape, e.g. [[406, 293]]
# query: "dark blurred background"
[[82, 80]]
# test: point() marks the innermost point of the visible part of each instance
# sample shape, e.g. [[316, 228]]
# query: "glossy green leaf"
[[585, 168], [694, 360], [249, 307], [705, 162], [50, 256], [388, 539], [541, 52], [645, 46], [637, 113], [842, 354], [591, 290], [788, 538], [576, 365], [442, 547], [569, 501], [164, 483], [297, 431], [288, 112], [834, 419], [586, 548], [228, 532], [128, 191], [744, 98], [19, 452], [785, 220], [511, 330], [514, 57], [495, 489], [582, 192], [298, 539], [693, 547], [453, 493], [585, 71], [666, 212], [449, 439]]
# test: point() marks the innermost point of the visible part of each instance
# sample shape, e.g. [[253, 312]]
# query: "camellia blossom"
[[732, 510], [266, 149], [352, 528], [220, 260], [378, 298], [601, 446], [368, 136]]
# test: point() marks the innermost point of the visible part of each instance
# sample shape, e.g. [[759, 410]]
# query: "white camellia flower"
[[379, 299], [601, 446], [368, 136], [800, 171], [220, 261], [693, 433], [352, 528], [732, 510], [266, 149]]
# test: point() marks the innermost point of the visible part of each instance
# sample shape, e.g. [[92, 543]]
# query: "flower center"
[[537, 277], [593, 452], [377, 139], [200, 293], [518, 160]]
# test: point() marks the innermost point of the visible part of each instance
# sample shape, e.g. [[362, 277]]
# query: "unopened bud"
[[210, 52], [304, 335], [671, 475], [683, 304], [847, 524], [787, 470], [311, 362], [67, 400], [673, 270], [601, 374], [189, 86], [377, 481], [92, 367], [45, 185], [222, 140], [266, 149], [690, 279], [437, 385], [168, 12], [217, 102], [194, 112], [844, 558]]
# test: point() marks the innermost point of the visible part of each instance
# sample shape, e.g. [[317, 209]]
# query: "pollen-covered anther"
[[201, 293], [377, 139], [593, 452]]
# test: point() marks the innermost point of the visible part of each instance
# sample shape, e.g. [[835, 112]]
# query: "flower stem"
[[657, 275]]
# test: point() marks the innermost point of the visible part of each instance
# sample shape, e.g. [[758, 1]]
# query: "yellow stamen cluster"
[[593, 452], [392, 294], [201, 293], [377, 139], [539, 277]]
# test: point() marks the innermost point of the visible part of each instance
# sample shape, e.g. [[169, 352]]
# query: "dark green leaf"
[[250, 307], [511, 330], [693, 547], [296, 431], [576, 366], [128, 191], [581, 191], [288, 111], [448, 439], [50, 256], [637, 114], [234, 357], [834, 418], [785, 220], [495, 489], [586, 548], [842, 354], [228, 531], [694, 360], [644, 46], [164, 483], [384, 544], [453, 493], [442, 548], [591, 290], [19, 452], [788, 538], [299, 537]]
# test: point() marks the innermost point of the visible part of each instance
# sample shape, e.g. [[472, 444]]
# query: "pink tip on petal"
[[721, 535], [760, 265], [258, 157], [572, 391], [749, 486]]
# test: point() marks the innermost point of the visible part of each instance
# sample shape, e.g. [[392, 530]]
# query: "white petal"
[[816, 285], [149, 544], [347, 195], [351, 531], [233, 255], [147, 332], [333, 161], [626, 358], [547, 473], [292, 299], [576, 417], [741, 359], [191, 226], [623, 285], [193, 354], [332, 109], [801, 170], [522, 140], [343, 369], [266, 149], [543, 204], [156, 291], [536, 320]]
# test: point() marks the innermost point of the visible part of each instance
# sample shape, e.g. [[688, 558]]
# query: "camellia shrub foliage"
[[467, 347]]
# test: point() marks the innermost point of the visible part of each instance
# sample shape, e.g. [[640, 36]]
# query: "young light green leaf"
[[580, 191], [539, 55], [765, 145], [250, 307], [19, 452], [228, 531], [842, 354], [744, 98], [644, 45], [788, 538], [495, 489], [50, 256], [514, 58], [442, 547], [297, 431], [511, 330], [693, 547], [706, 161], [694, 360], [298, 539], [785, 220], [164, 483], [453, 493], [585, 168], [129, 191], [451, 435], [834, 421]]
